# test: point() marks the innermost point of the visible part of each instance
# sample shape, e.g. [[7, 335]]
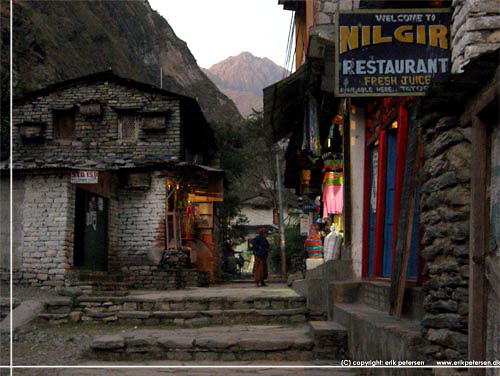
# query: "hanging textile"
[[311, 141], [333, 200], [314, 127]]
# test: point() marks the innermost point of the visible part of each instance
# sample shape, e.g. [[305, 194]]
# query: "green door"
[[91, 231]]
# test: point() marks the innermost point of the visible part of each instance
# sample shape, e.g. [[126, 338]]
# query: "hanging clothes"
[[311, 141], [333, 199]]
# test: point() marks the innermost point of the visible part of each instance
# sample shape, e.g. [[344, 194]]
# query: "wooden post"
[[347, 176], [477, 241], [405, 223]]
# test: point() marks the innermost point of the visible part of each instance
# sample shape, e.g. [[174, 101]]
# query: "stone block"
[[330, 7], [200, 321], [295, 355], [252, 355], [483, 23], [206, 356], [141, 340], [228, 357], [179, 322], [108, 342], [195, 306], [130, 306], [133, 314], [323, 18], [479, 49], [75, 316], [264, 344]]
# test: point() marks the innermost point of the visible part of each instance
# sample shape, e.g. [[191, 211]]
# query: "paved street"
[[227, 370]]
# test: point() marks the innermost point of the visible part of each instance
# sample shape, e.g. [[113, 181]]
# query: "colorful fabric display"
[[314, 248], [333, 199]]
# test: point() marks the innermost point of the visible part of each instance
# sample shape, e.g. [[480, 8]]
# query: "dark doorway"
[[91, 231]]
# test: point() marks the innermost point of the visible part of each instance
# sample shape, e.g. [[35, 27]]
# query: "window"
[[64, 125], [128, 127]]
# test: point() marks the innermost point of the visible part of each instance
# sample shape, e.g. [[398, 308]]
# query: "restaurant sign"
[[84, 177], [391, 52]]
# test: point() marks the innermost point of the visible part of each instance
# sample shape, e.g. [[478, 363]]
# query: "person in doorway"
[[260, 250]]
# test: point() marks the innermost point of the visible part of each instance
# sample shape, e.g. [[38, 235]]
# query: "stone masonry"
[[47, 245], [119, 126], [474, 31], [445, 221], [97, 142]]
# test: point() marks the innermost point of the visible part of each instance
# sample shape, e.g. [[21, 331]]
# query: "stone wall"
[[45, 252], [493, 311], [141, 224], [97, 140], [475, 30], [445, 206]]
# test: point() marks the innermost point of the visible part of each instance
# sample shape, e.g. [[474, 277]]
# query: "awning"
[[284, 103]]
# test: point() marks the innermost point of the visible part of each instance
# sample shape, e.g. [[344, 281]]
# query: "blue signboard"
[[391, 52]]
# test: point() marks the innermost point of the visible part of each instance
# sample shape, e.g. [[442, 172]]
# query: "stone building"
[[450, 306], [111, 178], [460, 217]]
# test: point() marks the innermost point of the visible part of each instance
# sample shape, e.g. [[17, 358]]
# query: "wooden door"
[[91, 231]]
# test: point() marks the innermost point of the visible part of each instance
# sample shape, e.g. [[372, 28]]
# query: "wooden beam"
[[400, 171], [405, 223], [478, 223], [347, 176], [366, 215]]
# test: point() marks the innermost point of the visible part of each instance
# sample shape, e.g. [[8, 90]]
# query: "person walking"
[[260, 251]]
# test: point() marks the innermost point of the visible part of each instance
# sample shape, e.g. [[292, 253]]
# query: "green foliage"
[[230, 143], [294, 246], [248, 156]]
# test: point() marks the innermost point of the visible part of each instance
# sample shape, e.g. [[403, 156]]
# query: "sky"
[[217, 29]]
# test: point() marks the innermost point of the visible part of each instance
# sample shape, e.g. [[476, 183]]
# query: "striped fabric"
[[314, 248]]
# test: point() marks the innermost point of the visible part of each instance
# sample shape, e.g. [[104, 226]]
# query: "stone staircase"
[[277, 343], [5, 306], [202, 324], [185, 311], [97, 283]]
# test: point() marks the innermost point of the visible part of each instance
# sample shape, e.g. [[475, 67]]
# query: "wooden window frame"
[[57, 117]]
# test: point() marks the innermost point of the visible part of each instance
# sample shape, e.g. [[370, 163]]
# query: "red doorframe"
[[400, 170], [380, 216], [366, 215]]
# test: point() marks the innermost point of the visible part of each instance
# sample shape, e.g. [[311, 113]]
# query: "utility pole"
[[280, 215], [161, 77]]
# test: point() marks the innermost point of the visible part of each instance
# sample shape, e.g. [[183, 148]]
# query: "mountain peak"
[[243, 77]]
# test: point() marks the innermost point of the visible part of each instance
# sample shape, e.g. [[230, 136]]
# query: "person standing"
[[260, 251]]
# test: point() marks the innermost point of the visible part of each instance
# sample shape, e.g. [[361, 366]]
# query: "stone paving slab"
[[242, 294], [229, 369], [238, 342]]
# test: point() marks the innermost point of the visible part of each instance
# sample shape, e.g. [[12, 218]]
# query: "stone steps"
[[5, 306], [182, 318], [175, 310], [222, 343], [330, 339]]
